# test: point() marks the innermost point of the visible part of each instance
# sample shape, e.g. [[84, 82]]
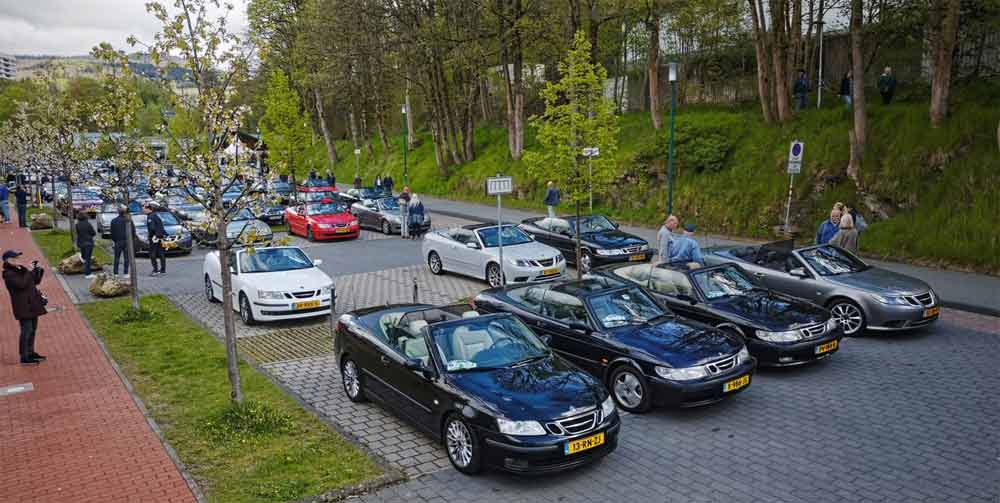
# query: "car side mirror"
[[318, 262], [799, 272], [472, 246], [418, 366], [232, 269], [579, 327]]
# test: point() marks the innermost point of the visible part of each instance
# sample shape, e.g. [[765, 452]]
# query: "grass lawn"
[[270, 450], [56, 245]]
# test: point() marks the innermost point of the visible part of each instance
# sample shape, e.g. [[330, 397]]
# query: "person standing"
[[378, 183], [845, 89], [846, 236], [21, 199], [156, 235], [416, 216], [119, 238], [665, 238], [859, 221], [387, 184], [828, 228], [551, 198], [357, 181], [26, 301], [5, 203], [686, 248], [404, 213], [887, 85], [331, 179], [85, 242], [801, 91]]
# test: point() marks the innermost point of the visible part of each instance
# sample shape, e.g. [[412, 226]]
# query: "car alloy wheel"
[[209, 293], [493, 275], [245, 313], [386, 229], [630, 389], [351, 378], [462, 449], [852, 319], [434, 262], [586, 261]]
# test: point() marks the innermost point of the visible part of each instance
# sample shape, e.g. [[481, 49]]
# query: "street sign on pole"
[[498, 186], [357, 151], [795, 151], [590, 153]]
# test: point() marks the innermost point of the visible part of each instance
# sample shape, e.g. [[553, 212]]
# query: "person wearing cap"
[[686, 249], [26, 302]]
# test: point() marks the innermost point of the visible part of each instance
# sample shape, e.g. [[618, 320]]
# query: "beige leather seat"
[[466, 343]]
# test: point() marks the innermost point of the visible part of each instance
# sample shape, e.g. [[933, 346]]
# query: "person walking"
[[846, 236], [801, 91], [404, 213], [156, 235], [887, 85], [5, 203], [119, 238], [416, 216], [552, 198], [686, 249], [387, 184], [845, 89], [26, 301], [828, 228], [665, 238], [21, 199], [85, 242]]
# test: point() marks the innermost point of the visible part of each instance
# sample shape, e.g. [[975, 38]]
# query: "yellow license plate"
[[344, 230], [306, 305], [736, 384], [637, 258], [550, 272], [934, 311], [584, 443], [826, 348]]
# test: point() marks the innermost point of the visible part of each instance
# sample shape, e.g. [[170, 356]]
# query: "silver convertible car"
[[861, 295]]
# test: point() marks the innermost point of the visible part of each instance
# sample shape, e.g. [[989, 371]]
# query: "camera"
[[34, 264]]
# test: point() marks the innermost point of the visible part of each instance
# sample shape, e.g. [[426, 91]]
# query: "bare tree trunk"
[[380, 124], [764, 88], [798, 58], [133, 273], [232, 358], [513, 55], [353, 124], [411, 136], [944, 49], [779, 56], [859, 133], [331, 147], [653, 68]]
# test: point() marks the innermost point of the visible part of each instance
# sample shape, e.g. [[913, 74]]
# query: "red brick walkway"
[[78, 436]]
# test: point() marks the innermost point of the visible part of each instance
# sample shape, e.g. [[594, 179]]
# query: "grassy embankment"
[[269, 450]]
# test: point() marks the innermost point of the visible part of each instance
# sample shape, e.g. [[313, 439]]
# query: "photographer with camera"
[[26, 300]]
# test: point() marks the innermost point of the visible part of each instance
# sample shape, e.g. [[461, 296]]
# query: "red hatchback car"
[[322, 220]]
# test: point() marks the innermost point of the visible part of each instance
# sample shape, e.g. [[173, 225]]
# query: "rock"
[[41, 221], [74, 265], [109, 286]]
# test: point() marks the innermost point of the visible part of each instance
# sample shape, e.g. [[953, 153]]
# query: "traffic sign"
[[497, 185], [795, 151], [357, 151], [591, 152]]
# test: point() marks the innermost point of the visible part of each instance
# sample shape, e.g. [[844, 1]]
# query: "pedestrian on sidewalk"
[[845, 89], [665, 238], [887, 85], [846, 236], [157, 233], [21, 198], [801, 90], [387, 183], [331, 179], [85, 242], [686, 249], [119, 238], [829, 228], [378, 183], [5, 203], [404, 213], [357, 181], [415, 209], [26, 301], [551, 198]]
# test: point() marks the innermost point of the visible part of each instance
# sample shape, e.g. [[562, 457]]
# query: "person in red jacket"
[[26, 301]]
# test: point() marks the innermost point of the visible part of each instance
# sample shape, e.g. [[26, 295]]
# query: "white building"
[[8, 67]]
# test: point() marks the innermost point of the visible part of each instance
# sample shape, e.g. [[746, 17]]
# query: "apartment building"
[[8, 66]]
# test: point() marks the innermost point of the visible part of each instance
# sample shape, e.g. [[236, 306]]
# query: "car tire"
[[386, 227], [852, 318], [434, 263], [462, 446], [209, 292], [246, 312], [350, 377], [309, 234], [494, 276], [630, 389], [586, 261]]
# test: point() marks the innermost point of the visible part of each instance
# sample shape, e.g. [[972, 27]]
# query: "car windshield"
[[727, 281], [388, 204], [511, 236], [316, 182], [109, 208], [367, 193], [324, 209], [167, 218], [84, 194], [630, 306], [486, 343], [274, 260], [830, 261], [244, 214], [592, 224], [316, 196]]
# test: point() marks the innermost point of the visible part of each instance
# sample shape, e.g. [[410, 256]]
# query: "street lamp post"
[[406, 147], [672, 73]]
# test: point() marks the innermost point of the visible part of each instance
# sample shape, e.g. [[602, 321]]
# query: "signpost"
[[590, 153], [357, 162], [498, 186], [794, 168]]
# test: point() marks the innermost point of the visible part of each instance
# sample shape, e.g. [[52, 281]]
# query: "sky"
[[73, 27]]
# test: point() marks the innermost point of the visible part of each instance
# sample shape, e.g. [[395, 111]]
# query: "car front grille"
[[546, 262], [925, 299], [722, 365], [302, 295], [813, 331], [632, 249], [575, 425]]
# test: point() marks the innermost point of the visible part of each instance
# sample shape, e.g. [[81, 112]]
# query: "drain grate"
[[289, 344]]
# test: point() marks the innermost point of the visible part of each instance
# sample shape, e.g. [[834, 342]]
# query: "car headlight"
[[832, 324], [890, 300], [560, 259], [787, 336], [520, 428], [519, 262], [324, 226], [609, 251], [743, 355], [354, 223], [264, 294], [327, 290], [682, 374], [608, 407]]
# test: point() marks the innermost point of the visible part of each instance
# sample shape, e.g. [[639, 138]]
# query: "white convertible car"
[[473, 250], [270, 284]]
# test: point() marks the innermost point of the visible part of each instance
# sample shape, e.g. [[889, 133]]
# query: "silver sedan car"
[[861, 295]]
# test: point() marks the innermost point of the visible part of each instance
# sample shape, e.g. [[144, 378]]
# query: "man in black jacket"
[[120, 239], [26, 302], [85, 242], [156, 235], [21, 198]]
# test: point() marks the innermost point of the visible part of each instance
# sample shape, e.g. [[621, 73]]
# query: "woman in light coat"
[[847, 236]]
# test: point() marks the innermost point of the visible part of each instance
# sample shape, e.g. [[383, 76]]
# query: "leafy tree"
[[284, 125], [577, 116]]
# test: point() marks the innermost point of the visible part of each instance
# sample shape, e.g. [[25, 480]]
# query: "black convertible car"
[[484, 385], [643, 353], [601, 242], [779, 330]]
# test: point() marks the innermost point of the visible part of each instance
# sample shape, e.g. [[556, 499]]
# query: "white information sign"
[[497, 185]]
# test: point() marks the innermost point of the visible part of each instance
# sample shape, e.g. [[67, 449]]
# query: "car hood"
[[171, 230], [545, 390], [676, 343], [529, 251], [612, 239], [880, 281], [106, 218], [337, 218], [245, 226], [289, 281], [770, 311]]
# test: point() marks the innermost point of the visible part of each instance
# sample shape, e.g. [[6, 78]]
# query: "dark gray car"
[[861, 295]]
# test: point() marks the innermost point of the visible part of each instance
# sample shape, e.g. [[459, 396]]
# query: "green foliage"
[[285, 128], [136, 315], [247, 421]]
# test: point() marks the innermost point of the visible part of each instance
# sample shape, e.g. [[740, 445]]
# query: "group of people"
[[678, 249], [886, 88], [20, 200], [843, 229], [413, 214]]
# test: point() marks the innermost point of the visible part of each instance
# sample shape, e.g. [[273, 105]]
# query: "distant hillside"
[[32, 66]]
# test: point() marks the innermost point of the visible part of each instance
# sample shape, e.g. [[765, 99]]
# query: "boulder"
[[41, 221], [109, 286], [73, 264]]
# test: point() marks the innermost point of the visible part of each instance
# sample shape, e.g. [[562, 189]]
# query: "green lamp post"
[[672, 74]]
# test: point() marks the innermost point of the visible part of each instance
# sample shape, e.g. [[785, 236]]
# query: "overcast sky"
[[73, 27]]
